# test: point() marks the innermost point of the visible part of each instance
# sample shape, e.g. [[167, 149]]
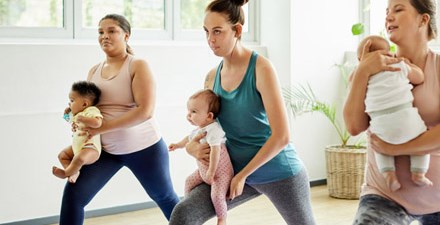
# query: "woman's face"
[[403, 22], [111, 36], [221, 38]]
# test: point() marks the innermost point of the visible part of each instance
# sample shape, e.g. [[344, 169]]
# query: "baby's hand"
[[67, 110], [210, 177], [172, 147]]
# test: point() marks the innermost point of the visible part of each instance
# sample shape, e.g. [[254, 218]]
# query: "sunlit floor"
[[259, 211]]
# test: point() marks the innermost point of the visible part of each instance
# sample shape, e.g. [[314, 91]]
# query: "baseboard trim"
[[88, 214], [113, 210], [318, 182]]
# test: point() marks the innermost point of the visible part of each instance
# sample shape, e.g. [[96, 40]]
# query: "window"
[[29, 18], [78, 19]]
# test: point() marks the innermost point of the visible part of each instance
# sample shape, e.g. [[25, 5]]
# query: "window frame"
[[73, 30], [64, 32]]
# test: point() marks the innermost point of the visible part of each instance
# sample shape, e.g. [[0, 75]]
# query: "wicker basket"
[[345, 171]]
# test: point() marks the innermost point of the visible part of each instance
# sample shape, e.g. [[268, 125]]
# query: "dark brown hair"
[[211, 98], [123, 24], [428, 7], [231, 8]]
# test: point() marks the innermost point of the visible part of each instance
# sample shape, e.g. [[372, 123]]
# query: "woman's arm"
[[144, 93], [426, 143], [268, 86], [93, 122], [355, 118]]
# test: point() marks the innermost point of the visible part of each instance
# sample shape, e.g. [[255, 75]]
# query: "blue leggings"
[[150, 166]]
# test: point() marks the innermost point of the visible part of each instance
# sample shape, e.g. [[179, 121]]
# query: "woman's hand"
[[197, 150], [383, 147], [376, 61], [237, 186], [90, 132]]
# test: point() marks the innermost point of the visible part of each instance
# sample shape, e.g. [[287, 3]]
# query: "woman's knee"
[[182, 215]]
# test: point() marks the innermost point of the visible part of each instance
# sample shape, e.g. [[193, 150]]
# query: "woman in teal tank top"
[[255, 121]]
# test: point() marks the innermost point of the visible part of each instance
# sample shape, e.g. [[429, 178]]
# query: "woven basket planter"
[[345, 171]]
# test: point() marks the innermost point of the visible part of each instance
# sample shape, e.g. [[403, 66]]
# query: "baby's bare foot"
[[391, 180], [421, 180], [58, 172], [73, 178]]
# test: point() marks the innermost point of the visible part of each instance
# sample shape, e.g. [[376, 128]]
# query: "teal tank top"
[[244, 120]]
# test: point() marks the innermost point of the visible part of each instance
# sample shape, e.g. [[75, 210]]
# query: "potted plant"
[[345, 161]]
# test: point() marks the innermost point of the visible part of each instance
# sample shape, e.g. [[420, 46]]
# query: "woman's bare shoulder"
[[92, 71], [209, 79]]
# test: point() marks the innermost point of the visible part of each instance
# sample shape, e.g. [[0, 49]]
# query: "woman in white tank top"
[[129, 133]]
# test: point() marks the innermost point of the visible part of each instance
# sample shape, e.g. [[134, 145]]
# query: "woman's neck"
[[416, 54], [236, 57], [116, 58]]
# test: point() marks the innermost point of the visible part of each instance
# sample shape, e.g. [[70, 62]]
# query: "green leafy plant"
[[301, 99]]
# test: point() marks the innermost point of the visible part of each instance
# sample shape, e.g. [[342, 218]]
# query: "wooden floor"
[[259, 211]]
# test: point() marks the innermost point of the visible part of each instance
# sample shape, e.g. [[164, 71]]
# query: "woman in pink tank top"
[[410, 24], [129, 133]]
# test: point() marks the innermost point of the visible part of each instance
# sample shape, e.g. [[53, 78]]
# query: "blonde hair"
[[377, 43]]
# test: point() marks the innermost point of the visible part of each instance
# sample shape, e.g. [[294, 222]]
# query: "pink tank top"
[[415, 199], [117, 99]]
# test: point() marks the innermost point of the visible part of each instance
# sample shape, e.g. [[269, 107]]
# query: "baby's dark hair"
[[87, 89], [211, 98]]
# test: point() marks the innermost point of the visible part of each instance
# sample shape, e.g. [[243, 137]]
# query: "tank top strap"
[[248, 77], [97, 72]]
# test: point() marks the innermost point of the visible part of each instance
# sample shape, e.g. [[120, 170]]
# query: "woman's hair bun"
[[239, 2]]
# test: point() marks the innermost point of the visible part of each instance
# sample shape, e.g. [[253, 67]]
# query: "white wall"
[[320, 34], [36, 79]]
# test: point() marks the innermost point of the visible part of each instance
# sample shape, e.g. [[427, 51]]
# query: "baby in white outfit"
[[394, 119]]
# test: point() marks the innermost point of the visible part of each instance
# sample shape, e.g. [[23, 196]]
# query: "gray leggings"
[[290, 196], [377, 210]]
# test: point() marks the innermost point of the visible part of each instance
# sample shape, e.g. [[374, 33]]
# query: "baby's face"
[[77, 103], [198, 114]]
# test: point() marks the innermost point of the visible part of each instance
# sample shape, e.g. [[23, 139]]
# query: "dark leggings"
[[377, 210], [290, 196], [150, 166]]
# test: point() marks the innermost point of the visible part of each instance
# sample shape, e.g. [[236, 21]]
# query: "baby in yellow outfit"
[[84, 150]]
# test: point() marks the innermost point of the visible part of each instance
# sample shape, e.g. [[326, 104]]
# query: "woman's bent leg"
[[291, 197], [374, 209], [197, 208], [151, 168], [76, 196]]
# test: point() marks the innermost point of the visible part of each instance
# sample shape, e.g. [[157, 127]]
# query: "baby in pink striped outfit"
[[203, 107]]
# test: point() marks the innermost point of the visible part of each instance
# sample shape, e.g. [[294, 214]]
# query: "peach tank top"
[[117, 99], [415, 199]]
